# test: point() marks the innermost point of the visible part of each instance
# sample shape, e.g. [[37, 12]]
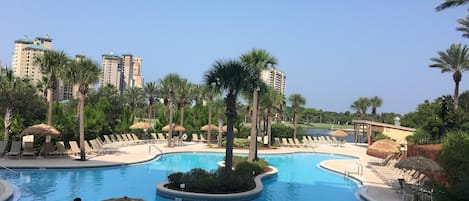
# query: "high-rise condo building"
[[117, 70], [26, 51], [274, 78], [137, 76]]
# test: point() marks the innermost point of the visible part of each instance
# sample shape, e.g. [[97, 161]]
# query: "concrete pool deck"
[[373, 189]]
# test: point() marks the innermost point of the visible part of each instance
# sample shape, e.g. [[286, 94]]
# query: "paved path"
[[373, 187]]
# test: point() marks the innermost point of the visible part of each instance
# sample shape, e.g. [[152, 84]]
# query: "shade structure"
[[419, 163], [209, 126], [140, 125], [175, 127], [225, 128], [40, 129], [385, 145], [338, 133]]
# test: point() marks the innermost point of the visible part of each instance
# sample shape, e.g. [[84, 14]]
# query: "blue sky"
[[333, 52]]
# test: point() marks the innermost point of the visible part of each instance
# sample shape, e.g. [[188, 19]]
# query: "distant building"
[[137, 76], [26, 51], [274, 78], [117, 70]]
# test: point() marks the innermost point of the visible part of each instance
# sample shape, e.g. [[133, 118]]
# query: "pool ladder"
[[155, 147], [359, 171]]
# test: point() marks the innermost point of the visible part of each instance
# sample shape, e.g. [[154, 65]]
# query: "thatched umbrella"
[[40, 129], [235, 130], [339, 133], [385, 145], [420, 164], [209, 126], [140, 125], [175, 127]]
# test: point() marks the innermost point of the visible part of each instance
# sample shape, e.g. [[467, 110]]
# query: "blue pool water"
[[299, 178]]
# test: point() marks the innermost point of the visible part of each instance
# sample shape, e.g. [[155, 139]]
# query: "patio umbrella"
[[209, 126], [175, 127], [385, 145], [40, 129], [235, 130], [140, 125], [419, 163], [339, 133]]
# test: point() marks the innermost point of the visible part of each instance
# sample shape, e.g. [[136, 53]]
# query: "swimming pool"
[[299, 178]]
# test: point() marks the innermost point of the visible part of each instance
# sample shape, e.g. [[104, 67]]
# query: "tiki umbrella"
[[226, 127], [140, 125], [385, 145], [339, 133], [209, 126], [175, 127], [40, 129], [420, 164]]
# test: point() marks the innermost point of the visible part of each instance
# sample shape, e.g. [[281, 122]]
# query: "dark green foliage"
[[455, 161], [380, 136], [420, 137], [244, 132], [282, 131]]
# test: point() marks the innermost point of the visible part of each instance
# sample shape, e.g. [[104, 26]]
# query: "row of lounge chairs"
[[307, 141]]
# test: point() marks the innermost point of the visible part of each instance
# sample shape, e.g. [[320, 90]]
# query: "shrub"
[[280, 130], [380, 136], [239, 142], [244, 132], [420, 137]]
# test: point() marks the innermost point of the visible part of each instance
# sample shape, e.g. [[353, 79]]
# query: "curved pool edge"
[[248, 195], [6, 190]]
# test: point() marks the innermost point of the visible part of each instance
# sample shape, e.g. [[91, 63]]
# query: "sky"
[[332, 52]]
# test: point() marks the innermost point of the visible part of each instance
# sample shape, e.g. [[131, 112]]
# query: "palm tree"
[[270, 100], [151, 91], [257, 59], [84, 72], [465, 27], [169, 85], [296, 101], [208, 94], [361, 105], [9, 86], [375, 102], [451, 3], [219, 109], [134, 97], [233, 77], [185, 93], [456, 60], [52, 65]]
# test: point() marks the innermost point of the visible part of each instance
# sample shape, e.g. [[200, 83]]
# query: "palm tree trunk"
[[253, 142], [269, 129], [181, 119], [209, 132], [295, 122], [50, 100], [230, 116], [7, 122], [456, 95], [220, 131], [170, 132], [82, 126]]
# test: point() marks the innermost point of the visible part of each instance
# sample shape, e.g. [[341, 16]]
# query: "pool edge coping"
[[8, 190]]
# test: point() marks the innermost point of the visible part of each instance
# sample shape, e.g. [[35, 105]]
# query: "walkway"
[[373, 187]]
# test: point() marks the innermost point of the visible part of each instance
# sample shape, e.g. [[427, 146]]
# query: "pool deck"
[[373, 189]]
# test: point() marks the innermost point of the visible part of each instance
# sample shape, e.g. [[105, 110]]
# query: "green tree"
[[208, 94], [375, 102], [361, 105], [451, 3], [220, 77], [52, 65], [169, 84], [151, 90], [455, 60], [271, 101], [296, 100], [135, 98], [83, 73], [465, 27], [185, 94], [9, 85], [257, 59]]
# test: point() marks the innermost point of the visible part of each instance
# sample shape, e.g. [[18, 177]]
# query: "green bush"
[[239, 143], [282, 131], [380, 136], [244, 132], [420, 137]]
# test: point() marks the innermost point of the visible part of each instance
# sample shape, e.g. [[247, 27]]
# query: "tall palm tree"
[[169, 85], [53, 64], [221, 77], [296, 100], [361, 105], [456, 60], [135, 98], [375, 102], [9, 86], [451, 3], [84, 72], [257, 59], [465, 27], [208, 94], [185, 93], [151, 91], [271, 101]]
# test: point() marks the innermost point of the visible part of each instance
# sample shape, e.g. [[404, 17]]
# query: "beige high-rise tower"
[[26, 51], [111, 68], [127, 70], [137, 76], [274, 78]]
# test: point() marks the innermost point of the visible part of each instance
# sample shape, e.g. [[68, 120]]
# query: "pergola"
[[390, 130]]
